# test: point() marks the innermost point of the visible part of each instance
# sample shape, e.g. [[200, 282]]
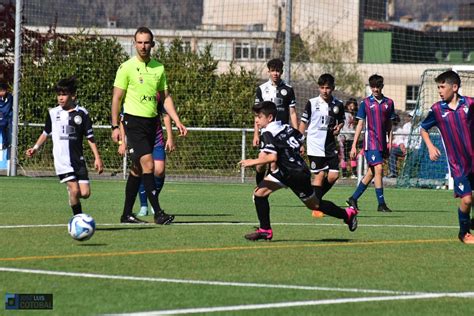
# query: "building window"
[[252, 51], [411, 96]]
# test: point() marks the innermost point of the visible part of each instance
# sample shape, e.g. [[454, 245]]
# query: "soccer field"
[[408, 262]]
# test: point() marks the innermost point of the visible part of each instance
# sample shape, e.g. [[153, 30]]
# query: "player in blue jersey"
[[454, 117], [280, 147], [376, 112], [6, 114]]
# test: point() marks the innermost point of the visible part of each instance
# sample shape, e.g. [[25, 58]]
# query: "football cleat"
[[467, 238], [143, 211], [162, 218], [352, 202], [383, 208], [265, 234], [317, 214], [351, 218], [131, 219]]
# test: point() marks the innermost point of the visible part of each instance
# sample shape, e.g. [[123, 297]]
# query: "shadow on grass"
[[128, 226], [329, 240], [92, 245], [202, 215], [211, 222]]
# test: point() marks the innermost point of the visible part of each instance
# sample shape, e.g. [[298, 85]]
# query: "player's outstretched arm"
[[263, 159], [41, 139]]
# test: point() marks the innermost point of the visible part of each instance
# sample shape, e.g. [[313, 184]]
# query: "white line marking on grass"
[[235, 224], [201, 282], [299, 304]]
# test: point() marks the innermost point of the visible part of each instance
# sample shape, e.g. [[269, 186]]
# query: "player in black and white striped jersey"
[[283, 96], [67, 124], [323, 118]]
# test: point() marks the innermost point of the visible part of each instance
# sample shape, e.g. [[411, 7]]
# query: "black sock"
[[326, 186], [318, 191], [263, 211], [131, 191], [76, 209], [331, 209], [151, 192], [259, 177]]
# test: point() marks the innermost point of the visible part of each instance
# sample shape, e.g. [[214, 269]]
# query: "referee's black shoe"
[[131, 219], [161, 218]]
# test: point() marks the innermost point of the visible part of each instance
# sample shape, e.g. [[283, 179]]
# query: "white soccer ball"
[[81, 227]]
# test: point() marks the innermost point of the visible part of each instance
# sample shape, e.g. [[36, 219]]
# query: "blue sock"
[[464, 223], [142, 195], [379, 194], [159, 182], [359, 191]]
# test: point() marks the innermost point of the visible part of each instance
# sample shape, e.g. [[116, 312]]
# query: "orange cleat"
[[317, 214]]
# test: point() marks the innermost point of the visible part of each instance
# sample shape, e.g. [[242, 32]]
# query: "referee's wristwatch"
[[114, 127]]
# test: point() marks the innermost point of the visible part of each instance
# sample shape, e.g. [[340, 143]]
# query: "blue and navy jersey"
[[457, 131], [159, 138], [376, 115]]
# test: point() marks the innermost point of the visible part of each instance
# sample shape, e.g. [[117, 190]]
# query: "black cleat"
[[265, 234], [132, 219], [163, 219], [383, 208], [352, 202]]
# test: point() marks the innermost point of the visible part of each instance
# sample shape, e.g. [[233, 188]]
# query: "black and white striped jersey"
[[284, 141], [67, 129], [321, 118], [282, 95]]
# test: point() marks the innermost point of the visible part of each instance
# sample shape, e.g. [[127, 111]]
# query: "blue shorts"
[[374, 157], [159, 153], [463, 185]]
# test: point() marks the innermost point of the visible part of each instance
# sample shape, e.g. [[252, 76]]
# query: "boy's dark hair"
[[143, 29], [275, 64], [449, 77], [376, 81], [266, 108], [67, 85], [3, 85], [326, 79]]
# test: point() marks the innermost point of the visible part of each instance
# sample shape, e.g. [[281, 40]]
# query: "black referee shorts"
[[141, 133]]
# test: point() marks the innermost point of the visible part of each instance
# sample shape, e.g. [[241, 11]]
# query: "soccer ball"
[[81, 227]]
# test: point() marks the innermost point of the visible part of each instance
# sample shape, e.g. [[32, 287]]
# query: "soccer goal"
[[418, 170]]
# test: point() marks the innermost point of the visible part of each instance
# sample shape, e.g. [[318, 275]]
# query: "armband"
[[36, 147], [114, 127]]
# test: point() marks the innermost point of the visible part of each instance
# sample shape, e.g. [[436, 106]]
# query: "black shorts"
[[318, 164], [298, 181], [79, 174], [141, 132]]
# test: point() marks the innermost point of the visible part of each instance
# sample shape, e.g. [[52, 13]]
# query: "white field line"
[[236, 224], [299, 304], [204, 282]]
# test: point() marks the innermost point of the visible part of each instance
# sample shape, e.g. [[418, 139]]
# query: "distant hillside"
[[165, 14]]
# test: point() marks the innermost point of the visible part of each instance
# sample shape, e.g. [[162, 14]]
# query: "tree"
[[332, 56]]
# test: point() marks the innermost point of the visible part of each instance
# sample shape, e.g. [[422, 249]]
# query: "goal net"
[[418, 170]]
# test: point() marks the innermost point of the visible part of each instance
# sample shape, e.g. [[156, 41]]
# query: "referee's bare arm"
[[116, 102]]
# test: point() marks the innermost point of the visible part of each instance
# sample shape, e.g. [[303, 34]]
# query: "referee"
[[137, 83]]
